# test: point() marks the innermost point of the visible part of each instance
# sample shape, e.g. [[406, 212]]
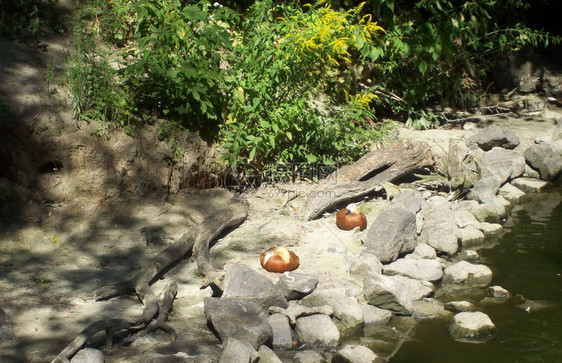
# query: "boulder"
[[88, 355], [391, 233], [492, 137], [459, 306], [366, 263], [242, 282], [421, 269], [267, 355], [545, 160], [238, 318], [348, 314], [490, 228], [440, 229], [471, 235], [237, 351], [422, 251], [281, 330], [429, 309], [317, 330], [295, 309], [472, 327], [410, 200], [355, 354], [492, 211], [498, 293], [530, 185], [295, 285], [467, 274], [414, 289], [384, 292], [375, 316], [511, 193], [465, 218]]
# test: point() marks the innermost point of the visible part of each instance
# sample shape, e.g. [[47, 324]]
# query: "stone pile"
[[416, 263]]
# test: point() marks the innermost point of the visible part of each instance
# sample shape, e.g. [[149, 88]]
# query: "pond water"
[[526, 260]]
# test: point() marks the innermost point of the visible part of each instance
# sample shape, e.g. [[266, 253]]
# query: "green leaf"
[[422, 66]]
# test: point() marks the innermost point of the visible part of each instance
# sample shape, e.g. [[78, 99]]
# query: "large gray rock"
[[392, 232], [467, 274], [88, 355], [295, 310], [440, 229], [366, 263], [317, 330], [422, 251], [236, 351], [242, 282], [375, 316], [497, 167], [492, 211], [429, 309], [530, 185], [410, 200], [494, 137], [355, 354], [457, 306], [422, 269], [472, 327], [282, 333], [295, 285], [384, 292], [414, 289], [238, 318], [267, 355], [348, 314], [545, 160], [471, 235]]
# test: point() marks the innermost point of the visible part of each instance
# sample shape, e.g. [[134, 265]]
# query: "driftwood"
[[199, 239], [366, 176]]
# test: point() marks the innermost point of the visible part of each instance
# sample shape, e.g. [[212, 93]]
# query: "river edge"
[[50, 267]]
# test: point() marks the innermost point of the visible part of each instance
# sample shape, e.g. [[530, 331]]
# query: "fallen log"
[[199, 239], [366, 176]]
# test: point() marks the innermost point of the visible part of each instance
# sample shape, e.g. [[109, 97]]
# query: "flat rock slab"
[[530, 185], [468, 274], [421, 269]]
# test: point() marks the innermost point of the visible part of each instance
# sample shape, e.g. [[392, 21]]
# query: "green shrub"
[[292, 97]]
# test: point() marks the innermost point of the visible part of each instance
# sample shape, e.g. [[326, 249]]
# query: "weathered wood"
[[234, 213], [366, 175]]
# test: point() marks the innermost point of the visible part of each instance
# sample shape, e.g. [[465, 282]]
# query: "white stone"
[[421, 269], [471, 326], [467, 273]]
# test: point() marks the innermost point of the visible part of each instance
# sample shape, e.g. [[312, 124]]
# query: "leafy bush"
[[95, 89], [290, 85], [25, 18], [285, 82]]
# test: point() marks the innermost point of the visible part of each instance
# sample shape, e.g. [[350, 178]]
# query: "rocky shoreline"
[[357, 296], [414, 262]]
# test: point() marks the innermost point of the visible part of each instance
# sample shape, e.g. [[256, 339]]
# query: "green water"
[[526, 260]]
